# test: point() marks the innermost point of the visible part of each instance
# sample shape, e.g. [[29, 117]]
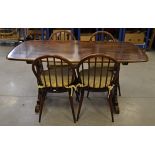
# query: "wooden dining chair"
[[56, 79], [106, 37], [97, 78], [62, 35], [102, 36]]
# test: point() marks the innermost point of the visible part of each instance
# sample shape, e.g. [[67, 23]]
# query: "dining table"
[[122, 52]]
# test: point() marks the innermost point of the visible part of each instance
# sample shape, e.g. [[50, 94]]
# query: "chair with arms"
[[62, 35], [106, 37], [56, 79], [99, 78]]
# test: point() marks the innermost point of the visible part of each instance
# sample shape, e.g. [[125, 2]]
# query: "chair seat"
[[62, 81], [99, 82]]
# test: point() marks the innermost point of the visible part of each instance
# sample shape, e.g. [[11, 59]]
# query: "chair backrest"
[[101, 75], [60, 74], [62, 35], [102, 36]]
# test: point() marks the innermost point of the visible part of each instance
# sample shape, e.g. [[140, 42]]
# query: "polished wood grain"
[[75, 50]]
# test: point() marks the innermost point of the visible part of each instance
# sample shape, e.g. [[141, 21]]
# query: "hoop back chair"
[[106, 37], [56, 79], [97, 78], [62, 35], [102, 36]]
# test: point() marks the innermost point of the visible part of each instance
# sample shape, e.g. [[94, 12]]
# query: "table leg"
[[115, 100]]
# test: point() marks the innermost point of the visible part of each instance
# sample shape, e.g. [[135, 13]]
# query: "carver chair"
[[106, 37], [56, 79], [62, 35], [97, 78]]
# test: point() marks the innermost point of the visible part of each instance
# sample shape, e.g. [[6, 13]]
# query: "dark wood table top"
[[76, 50]]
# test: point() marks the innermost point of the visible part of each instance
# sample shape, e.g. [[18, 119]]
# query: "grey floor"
[[18, 94]]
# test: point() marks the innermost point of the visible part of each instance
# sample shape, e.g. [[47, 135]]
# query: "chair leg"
[[42, 99], [44, 94], [37, 107], [119, 89], [111, 108], [118, 85], [41, 109], [87, 93], [72, 108], [77, 96], [80, 104]]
